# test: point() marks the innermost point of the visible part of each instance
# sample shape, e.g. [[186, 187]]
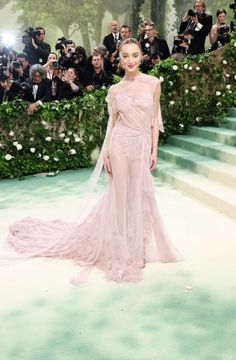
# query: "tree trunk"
[[85, 38], [98, 24], [135, 7], [158, 15]]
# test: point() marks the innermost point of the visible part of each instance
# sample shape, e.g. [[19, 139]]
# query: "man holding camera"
[[200, 24], [36, 49], [154, 48], [21, 67]]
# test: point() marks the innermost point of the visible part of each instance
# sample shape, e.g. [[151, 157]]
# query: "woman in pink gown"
[[124, 230]]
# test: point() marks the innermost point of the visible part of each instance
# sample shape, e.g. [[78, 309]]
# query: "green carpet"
[[161, 318]]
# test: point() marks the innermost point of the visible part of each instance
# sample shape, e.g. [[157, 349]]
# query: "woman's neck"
[[131, 76]]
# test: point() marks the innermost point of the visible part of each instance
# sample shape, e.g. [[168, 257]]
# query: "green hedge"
[[66, 135]]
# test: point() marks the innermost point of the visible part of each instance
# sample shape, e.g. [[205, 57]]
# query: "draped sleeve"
[[157, 117]]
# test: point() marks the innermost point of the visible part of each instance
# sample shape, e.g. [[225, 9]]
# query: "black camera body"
[[233, 5], [223, 34], [30, 34], [62, 41], [16, 64], [191, 12], [3, 73]]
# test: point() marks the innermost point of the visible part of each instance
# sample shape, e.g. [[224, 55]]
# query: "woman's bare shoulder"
[[151, 79]]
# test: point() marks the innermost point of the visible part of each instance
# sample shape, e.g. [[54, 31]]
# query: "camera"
[[3, 73], [223, 34], [16, 64], [233, 5], [30, 33], [62, 41], [192, 13]]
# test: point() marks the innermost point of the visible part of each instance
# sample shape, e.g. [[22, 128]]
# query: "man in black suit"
[[200, 24], [38, 90], [38, 50], [111, 40], [154, 48]]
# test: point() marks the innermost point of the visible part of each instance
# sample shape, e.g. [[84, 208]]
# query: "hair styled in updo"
[[130, 41]]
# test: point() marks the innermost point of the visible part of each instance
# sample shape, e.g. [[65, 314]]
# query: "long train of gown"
[[124, 229]]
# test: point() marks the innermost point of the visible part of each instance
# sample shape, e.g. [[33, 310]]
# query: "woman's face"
[[130, 58], [71, 74], [52, 57], [221, 18]]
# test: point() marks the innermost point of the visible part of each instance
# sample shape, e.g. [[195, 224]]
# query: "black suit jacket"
[[110, 43], [44, 92], [159, 47], [198, 42], [39, 55]]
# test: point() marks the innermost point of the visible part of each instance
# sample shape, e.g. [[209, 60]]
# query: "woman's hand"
[[152, 161], [107, 166]]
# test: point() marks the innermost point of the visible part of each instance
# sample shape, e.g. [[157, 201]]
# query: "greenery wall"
[[66, 134]]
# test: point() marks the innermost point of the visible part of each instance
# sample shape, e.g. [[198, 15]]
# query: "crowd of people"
[[38, 75]]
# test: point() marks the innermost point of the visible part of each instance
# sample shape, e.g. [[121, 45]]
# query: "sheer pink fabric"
[[124, 230]]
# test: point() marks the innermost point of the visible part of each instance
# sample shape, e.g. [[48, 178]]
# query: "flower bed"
[[65, 135]]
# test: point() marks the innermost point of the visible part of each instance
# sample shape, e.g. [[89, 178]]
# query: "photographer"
[[97, 77], [69, 86], [35, 47], [219, 34], [200, 24], [153, 47], [8, 88], [37, 89], [20, 67], [182, 42], [233, 7], [67, 52]]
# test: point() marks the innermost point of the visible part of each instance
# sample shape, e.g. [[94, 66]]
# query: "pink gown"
[[123, 231]]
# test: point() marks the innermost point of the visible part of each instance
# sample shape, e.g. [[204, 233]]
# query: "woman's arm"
[[213, 35], [155, 127]]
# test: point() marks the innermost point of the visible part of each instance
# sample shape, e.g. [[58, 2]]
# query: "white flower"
[[198, 68], [19, 147], [172, 102], [59, 150], [67, 140], [8, 157], [175, 67], [39, 155], [147, 45], [161, 79], [48, 138], [194, 88], [171, 83], [32, 150], [181, 125], [234, 77], [198, 118], [186, 91], [32, 139], [190, 68], [186, 66], [75, 135], [46, 157], [224, 62], [228, 86], [103, 87], [55, 159], [15, 143], [70, 133], [77, 139], [218, 93], [62, 135], [227, 75], [1, 145], [11, 133], [43, 122], [218, 104], [229, 91], [235, 44], [72, 151]]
